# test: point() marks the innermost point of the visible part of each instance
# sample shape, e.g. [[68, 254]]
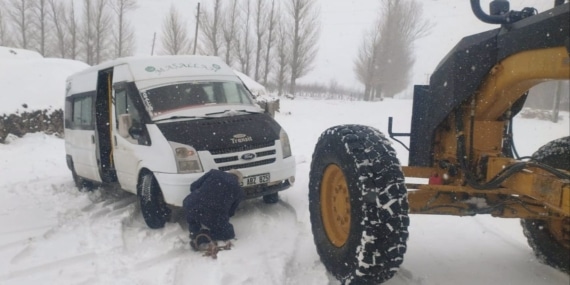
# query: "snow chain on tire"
[[153, 208], [368, 243], [551, 249]]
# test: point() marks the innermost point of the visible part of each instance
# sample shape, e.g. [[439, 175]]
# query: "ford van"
[[153, 125]]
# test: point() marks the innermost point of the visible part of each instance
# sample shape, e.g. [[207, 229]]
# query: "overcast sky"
[[343, 25]]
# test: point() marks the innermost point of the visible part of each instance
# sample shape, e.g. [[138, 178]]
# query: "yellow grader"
[[460, 140]]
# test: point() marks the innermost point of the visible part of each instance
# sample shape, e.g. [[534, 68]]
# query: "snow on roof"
[[16, 53], [256, 88]]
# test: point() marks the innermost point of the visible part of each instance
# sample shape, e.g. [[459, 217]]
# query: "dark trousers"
[[219, 226]]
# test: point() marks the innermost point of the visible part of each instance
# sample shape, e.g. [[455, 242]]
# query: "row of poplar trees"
[[274, 42], [386, 55], [89, 30]]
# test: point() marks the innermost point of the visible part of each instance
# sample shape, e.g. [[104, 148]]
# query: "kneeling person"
[[213, 199]]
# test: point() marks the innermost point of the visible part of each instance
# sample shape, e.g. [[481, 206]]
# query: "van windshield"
[[178, 96]]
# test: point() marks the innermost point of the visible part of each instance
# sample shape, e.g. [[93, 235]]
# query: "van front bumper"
[[175, 187]]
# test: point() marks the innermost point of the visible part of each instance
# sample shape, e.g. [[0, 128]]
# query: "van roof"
[[151, 67]]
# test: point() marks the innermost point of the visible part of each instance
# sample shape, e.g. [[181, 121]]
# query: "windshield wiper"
[[182, 117], [232, 110]]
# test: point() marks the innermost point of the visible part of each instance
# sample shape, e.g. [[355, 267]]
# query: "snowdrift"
[[34, 83]]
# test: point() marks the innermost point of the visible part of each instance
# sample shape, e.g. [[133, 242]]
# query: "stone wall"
[[19, 124]]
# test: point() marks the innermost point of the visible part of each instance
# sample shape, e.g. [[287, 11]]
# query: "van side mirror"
[[125, 124], [135, 132]]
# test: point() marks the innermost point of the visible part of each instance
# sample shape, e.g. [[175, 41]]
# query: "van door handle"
[[115, 137], [93, 139]]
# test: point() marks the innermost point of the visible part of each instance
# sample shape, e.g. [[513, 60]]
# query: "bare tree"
[[365, 62], [400, 24], [56, 11], [174, 34], [244, 45], [210, 24], [40, 12], [19, 11], [102, 27], [272, 21], [72, 28], [229, 29], [260, 28], [283, 54], [88, 32], [304, 17], [124, 34], [4, 33]]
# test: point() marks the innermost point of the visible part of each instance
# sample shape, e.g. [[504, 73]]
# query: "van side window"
[[81, 112], [124, 105]]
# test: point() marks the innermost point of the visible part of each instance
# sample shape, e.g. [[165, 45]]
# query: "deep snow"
[[53, 234], [31, 82]]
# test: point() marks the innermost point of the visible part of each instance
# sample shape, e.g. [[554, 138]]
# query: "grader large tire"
[[550, 239], [358, 205]]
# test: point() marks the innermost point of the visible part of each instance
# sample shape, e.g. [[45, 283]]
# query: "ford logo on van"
[[248, 156]]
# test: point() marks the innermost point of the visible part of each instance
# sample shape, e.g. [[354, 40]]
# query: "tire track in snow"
[[168, 256], [508, 241], [24, 230], [74, 260]]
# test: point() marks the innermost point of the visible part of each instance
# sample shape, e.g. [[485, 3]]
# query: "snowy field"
[[53, 234]]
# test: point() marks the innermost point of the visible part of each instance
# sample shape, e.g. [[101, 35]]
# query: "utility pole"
[[153, 41], [556, 107], [196, 32]]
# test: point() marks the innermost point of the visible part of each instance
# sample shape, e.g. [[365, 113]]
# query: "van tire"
[[358, 205], [271, 198], [154, 210]]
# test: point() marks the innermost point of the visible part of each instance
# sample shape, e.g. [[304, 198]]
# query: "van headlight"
[[187, 160], [285, 145]]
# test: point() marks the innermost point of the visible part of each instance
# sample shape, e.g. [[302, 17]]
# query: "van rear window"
[[173, 97]]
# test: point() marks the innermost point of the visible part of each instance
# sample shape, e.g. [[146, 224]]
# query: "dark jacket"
[[213, 199]]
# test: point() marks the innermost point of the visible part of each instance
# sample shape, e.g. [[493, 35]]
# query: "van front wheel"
[[153, 208]]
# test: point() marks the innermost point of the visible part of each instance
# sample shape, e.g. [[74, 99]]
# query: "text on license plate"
[[256, 179]]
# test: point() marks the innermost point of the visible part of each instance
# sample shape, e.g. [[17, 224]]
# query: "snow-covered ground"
[[53, 234]]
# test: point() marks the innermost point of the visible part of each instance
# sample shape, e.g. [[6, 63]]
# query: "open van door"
[[128, 131], [103, 109]]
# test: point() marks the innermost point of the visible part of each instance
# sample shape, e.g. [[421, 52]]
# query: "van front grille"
[[226, 159], [265, 153], [241, 148], [246, 165]]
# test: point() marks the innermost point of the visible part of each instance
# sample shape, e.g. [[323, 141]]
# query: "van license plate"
[[256, 179]]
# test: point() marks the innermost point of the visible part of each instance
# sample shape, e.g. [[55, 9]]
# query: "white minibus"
[[153, 125]]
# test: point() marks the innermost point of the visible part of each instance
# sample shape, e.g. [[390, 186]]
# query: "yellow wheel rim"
[[335, 205]]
